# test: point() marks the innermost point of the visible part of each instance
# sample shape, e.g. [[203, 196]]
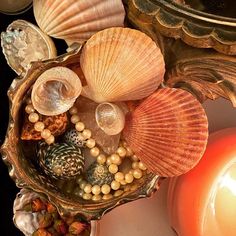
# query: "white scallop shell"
[[55, 91], [77, 20], [121, 64]]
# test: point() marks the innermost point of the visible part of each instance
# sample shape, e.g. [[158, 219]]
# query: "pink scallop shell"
[[168, 131]]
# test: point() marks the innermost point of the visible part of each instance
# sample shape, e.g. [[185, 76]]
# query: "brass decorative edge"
[[195, 28]]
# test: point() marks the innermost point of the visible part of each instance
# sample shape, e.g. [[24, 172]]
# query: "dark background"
[[8, 189]]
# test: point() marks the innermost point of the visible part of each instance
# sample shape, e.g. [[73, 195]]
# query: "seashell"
[[98, 174], [121, 64], [56, 124], [75, 137], [110, 118], [23, 43], [168, 132], [55, 91], [77, 20], [61, 161]]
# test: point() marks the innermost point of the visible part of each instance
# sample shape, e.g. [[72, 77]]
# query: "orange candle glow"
[[203, 201]]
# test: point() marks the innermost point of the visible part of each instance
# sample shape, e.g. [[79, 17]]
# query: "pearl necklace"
[[113, 161]]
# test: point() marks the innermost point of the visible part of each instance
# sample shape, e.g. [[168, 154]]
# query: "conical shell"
[[168, 132], [77, 20], [121, 64], [55, 91]]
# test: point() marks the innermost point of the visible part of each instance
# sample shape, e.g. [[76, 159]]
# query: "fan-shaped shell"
[[55, 91], [77, 20], [121, 64], [168, 131]]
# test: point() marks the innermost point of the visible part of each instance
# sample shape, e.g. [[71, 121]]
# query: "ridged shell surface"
[[168, 132], [121, 64], [61, 161], [77, 20], [55, 91]]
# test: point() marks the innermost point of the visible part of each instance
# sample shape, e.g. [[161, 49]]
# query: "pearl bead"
[[134, 187], [118, 193], [74, 119], [28, 101], [96, 197], [124, 143], [79, 179], [135, 165], [94, 151], [115, 159], [88, 188], [33, 117], [121, 151], [109, 162], [87, 133], [131, 171], [90, 143], [46, 133], [119, 176], [129, 152], [123, 182], [79, 126], [50, 140], [78, 192], [39, 126], [115, 185], [82, 184], [96, 189], [141, 166], [137, 174], [113, 168], [134, 158], [101, 159], [29, 109], [107, 197], [105, 189], [129, 178], [127, 188], [73, 110], [87, 196]]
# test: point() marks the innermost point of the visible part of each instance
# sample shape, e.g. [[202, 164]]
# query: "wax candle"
[[14, 6], [203, 201]]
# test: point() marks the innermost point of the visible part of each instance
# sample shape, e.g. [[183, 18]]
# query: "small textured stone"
[[98, 174]]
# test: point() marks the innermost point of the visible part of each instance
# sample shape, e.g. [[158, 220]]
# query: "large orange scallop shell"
[[121, 64], [168, 131]]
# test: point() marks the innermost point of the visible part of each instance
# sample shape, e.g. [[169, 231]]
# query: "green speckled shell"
[[99, 174], [63, 156]]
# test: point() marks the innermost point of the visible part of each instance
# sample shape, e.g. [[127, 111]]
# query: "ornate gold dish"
[[20, 155]]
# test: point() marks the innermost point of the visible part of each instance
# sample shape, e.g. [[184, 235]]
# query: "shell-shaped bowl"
[[21, 159]]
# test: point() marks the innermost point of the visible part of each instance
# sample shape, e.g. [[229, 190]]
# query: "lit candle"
[[203, 201], [14, 6]]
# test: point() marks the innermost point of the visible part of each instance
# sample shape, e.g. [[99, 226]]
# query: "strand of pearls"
[[96, 192], [38, 125]]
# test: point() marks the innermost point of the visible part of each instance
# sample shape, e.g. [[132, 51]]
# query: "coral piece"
[[121, 64], [56, 124], [168, 132]]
